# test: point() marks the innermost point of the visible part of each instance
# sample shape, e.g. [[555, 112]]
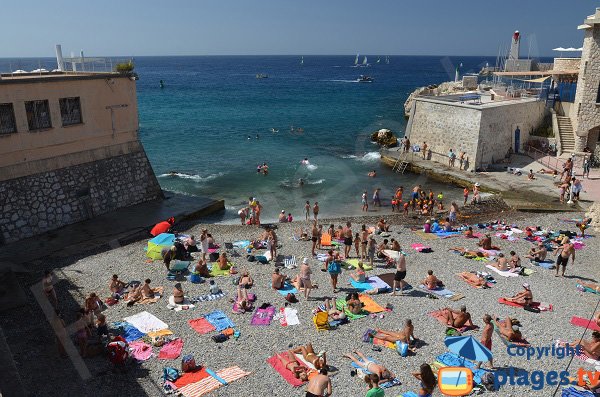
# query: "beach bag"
[[291, 298], [188, 363], [532, 309], [321, 321], [262, 259], [402, 348], [334, 267], [452, 332], [251, 258], [170, 374], [219, 338]]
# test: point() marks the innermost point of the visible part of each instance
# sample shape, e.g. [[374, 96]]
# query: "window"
[[38, 115], [7, 119], [70, 111]]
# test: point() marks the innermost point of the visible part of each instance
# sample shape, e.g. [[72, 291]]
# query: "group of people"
[[250, 215]]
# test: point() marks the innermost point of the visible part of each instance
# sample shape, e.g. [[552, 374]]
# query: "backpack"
[[170, 374], [251, 258], [262, 259], [219, 338], [402, 348], [188, 363], [321, 320]]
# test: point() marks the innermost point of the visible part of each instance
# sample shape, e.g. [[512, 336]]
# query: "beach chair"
[[326, 241]]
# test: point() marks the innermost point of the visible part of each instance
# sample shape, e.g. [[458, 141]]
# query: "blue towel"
[[219, 320], [385, 385], [287, 289], [361, 286], [547, 264], [452, 360], [128, 331], [443, 292], [442, 233], [574, 392], [409, 394]]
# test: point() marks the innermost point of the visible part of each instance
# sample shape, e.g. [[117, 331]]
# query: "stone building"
[[69, 150]]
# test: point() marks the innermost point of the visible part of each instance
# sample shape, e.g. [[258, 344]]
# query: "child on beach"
[[372, 247], [357, 244], [465, 195], [405, 206]]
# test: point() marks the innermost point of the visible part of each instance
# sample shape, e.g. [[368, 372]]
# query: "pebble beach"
[[77, 277]]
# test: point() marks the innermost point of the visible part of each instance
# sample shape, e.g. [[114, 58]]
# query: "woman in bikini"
[[364, 363], [428, 381], [355, 306], [318, 360], [291, 364]]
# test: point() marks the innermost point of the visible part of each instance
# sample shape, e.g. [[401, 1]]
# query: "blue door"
[[517, 140]]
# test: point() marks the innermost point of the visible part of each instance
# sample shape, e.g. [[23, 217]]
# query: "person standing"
[[347, 239], [486, 336], [304, 278], [203, 244], [364, 240], [315, 237], [465, 195], [424, 150], [307, 210], [48, 286], [316, 210], [586, 167], [365, 202], [376, 198], [566, 250], [319, 385], [400, 274], [461, 160]]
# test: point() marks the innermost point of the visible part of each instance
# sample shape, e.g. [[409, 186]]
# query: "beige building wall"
[[103, 132], [566, 63]]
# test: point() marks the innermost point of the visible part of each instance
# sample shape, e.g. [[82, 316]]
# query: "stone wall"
[[567, 63], [446, 126], [45, 201]]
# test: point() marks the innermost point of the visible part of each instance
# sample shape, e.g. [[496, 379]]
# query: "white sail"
[[365, 60], [378, 59], [356, 60], [302, 61], [387, 59]]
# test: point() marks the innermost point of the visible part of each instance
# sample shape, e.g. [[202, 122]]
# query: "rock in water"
[[384, 137]]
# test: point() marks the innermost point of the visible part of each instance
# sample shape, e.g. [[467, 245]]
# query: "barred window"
[[70, 111], [7, 119], [38, 115]]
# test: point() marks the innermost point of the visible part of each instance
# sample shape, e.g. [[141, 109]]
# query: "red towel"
[[584, 322], [191, 377], [533, 304], [201, 325], [284, 372], [171, 350], [440, 316]]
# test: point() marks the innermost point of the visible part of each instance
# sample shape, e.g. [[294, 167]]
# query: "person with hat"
[[537, 254], [524, 297], [282, 217]]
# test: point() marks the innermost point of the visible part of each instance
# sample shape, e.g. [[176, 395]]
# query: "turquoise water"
[[198, 124]]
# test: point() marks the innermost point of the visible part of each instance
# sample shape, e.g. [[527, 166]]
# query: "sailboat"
[[387, 60], [364, 62], [378, 59], [302, 61], [356, 61]]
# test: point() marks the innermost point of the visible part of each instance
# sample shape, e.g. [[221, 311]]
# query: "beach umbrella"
[[468, 347]]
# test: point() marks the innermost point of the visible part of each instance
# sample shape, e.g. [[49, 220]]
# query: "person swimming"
[[305, 161], [301, 182]]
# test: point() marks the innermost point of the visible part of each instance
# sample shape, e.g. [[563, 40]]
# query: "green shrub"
[[125, 67]]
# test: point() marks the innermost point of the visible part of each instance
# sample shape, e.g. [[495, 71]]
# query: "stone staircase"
[[566, 134]]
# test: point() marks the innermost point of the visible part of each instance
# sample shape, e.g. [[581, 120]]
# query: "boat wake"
[[348, 156], [370, 157], [193, 177], [317, 182], [342, 81], [311, 167]]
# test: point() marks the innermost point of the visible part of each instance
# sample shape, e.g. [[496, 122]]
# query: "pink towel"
[[140, 351], [263, 316], [171, 350]]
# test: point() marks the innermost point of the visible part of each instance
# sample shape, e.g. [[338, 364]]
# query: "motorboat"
[[365, 79], [262, 76]]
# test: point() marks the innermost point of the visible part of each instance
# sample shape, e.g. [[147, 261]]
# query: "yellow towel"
[[162, 332]]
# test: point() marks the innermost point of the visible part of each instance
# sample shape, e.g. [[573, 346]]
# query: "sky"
[[300, 27]]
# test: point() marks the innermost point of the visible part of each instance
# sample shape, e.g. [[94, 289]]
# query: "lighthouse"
[[514, 46]]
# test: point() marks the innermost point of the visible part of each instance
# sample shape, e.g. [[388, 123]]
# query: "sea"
[[212, 122]]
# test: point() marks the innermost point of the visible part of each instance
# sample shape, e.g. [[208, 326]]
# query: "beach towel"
[[388, 278], [322, 257], [158, 292], [442, 292], [162, 332], [146, 322], [215, 271], [426, 236], [201, 325], [449, 359], [171, 350], [200, 388], [287, 289], [340, 304], [420, 247], [219, 320], [290, 262], [443, 234], [370, 305], [140, 351], [350, 264], [440, 316], [546, 264], [544, 307], [486, 285], [586, 289], [325, 240], [187, 378], [187, 304], [241, 243], [585, 323], [492, 252], [384, 385], [231, 374], [408, 394], [370, 284], [573, 391], [291, 316], [263, 316], [128, 331], [209, 297], [284, 372], [178, 266], [502, 273]]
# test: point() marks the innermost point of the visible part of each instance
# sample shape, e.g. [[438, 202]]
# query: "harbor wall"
[[45, 201]]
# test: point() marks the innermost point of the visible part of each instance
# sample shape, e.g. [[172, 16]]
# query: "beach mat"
[[200, 388], [586, 289], [284, 372], [426, 236], [370, 305], [573, 391], [350, 264], [439, 315], [146, 322], [341, 305], [441, 292], [500, 272], [232, 374], [263, 316], [544, 307], [171, 350], [219, 320], [388, 278], [371, 283], [546, 264], [128, 331], [287, 289], [585, 323], [188, 378], [201, 325], [215, 271]]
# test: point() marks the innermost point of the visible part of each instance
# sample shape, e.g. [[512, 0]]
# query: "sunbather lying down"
[[590, 347], [458, 319], [473, 279], [332, 311], [291, 364], [406, 335], [318, 360], [593, 286], [378, 369], [469, 253], [509, 329]]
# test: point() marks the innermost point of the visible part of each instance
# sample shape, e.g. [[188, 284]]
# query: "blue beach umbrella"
[[468, 347]]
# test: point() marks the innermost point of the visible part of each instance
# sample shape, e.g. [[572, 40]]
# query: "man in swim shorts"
[[400, 275], [319, 385], [458, 319], [566, 250], [347, 233]]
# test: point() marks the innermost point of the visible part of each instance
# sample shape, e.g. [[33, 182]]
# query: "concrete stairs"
[[566, 134]]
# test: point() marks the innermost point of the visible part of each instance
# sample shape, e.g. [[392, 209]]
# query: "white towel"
[[146, 322], [291, 316], [179, 306], [500, 272]]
